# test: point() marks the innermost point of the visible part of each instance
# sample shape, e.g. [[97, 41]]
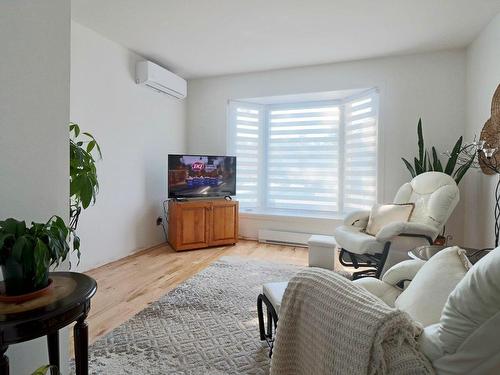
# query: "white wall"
[[483, 77], [136, 128], [34, 115], [431, 86]]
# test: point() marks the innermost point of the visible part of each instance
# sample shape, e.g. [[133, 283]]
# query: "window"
[[312, 157]]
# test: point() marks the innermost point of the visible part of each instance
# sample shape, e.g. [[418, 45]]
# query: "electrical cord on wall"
[[164, 222]]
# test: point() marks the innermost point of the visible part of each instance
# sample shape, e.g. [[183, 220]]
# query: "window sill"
[[286, 215]]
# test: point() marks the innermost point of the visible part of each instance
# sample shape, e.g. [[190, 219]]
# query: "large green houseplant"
[[84, 186], [425, 163], [27, 253]]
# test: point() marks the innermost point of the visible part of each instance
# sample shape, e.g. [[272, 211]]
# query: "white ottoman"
[[322, 251]]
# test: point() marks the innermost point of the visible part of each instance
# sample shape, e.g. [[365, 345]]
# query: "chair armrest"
[[357, 218], [385, 291], [405, 270], [406, 228]]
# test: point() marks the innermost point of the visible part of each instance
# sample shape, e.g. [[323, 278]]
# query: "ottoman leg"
[[260, 315], [269, 324]]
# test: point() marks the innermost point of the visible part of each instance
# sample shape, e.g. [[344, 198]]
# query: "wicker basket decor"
[[491, 131]]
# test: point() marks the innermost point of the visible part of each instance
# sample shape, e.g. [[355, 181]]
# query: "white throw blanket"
[[329, 325]]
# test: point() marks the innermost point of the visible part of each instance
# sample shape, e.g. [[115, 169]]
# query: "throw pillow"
[[427, 293], [383, 214]]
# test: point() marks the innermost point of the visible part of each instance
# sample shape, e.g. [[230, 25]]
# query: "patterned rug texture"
[[207, 325]]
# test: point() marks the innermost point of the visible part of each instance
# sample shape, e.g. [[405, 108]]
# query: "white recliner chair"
[[457, 304], [435, 196]]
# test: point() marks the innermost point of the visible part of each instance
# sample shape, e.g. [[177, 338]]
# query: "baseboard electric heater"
[[283, 238]]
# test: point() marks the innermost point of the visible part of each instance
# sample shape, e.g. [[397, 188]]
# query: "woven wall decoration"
[[491, 131]]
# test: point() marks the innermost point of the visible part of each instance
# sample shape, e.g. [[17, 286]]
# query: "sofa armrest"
[[405, 270], [357, 218], [406, 228]]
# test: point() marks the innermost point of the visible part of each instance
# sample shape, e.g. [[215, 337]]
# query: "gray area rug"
[[207, 325]]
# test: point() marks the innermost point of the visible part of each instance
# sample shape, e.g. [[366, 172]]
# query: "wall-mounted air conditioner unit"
[[160, 79]]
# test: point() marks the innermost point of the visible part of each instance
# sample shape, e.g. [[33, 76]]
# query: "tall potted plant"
[[84, 185], [425, 163], [27, 253]]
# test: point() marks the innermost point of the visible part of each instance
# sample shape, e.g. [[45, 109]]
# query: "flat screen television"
[[198, 176]]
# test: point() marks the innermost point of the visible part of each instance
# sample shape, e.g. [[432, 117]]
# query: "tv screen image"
[[195, 176]]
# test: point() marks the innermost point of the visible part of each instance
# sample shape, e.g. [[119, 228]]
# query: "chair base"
[[375, 262], [266, 330]]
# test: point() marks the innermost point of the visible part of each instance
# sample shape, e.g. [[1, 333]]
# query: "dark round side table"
[[66, 302]]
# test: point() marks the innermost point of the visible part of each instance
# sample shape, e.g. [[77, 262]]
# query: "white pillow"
[[427, 293], [475, 300], [383, 214], [466, 341]]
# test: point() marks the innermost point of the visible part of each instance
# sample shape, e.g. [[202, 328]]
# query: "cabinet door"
[[193, 225], [224, 223]]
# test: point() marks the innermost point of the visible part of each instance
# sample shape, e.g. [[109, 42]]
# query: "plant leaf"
[[87, 192], [429, 164], [9, 226], [90, 146], [420, 142], [43, 370], [75, 128], [41, 256], [418, 167], [436, 163], [460, 173], [4, 237], [17, 249], [452, 161], [409, 166]]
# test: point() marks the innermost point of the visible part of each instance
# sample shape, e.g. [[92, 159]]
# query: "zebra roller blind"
[[318, 156]]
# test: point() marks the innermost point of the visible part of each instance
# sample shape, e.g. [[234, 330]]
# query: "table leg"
[[81, 337], [4, 361], [53, 345]]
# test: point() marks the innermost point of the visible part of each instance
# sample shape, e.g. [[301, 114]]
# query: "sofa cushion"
[[383, 214], [427, 293], [475, 300], [479, 354]]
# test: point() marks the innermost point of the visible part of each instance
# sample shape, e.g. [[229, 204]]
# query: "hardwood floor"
[[129, 285]]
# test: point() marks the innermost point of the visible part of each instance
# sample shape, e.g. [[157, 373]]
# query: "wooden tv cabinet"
[[197, 224]]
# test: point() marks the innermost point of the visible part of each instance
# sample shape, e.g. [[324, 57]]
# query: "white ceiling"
[[196, 38]]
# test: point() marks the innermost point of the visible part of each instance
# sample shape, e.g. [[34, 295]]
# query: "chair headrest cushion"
[[429, 182]]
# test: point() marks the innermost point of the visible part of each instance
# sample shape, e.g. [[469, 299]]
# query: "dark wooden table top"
[[62, 304]]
